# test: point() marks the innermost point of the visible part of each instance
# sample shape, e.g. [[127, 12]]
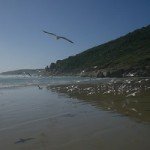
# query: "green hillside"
[[127, 54]]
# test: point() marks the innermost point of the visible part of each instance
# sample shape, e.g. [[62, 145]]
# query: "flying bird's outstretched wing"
[[49, 33], [61, 37], [58, 37]]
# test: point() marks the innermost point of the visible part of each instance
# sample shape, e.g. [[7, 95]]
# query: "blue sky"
[[86, 22]]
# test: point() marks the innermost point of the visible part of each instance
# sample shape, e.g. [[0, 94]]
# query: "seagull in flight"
[[58, 37]]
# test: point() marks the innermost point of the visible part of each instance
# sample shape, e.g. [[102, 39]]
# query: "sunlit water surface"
[[48, 120]]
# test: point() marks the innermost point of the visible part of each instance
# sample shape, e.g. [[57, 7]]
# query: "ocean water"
[[12, 81], [52, 120]]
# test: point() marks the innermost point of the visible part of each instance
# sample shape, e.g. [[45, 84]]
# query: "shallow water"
[[54, 121], [132, 101], [12, 81], [46, 119]]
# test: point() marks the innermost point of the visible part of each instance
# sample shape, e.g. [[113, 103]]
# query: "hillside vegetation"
[[124, 56]]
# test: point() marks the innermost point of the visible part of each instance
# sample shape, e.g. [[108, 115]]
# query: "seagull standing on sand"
[[58, 37]]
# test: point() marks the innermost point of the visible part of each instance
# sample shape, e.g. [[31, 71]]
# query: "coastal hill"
[[128, 55], [23, 72]]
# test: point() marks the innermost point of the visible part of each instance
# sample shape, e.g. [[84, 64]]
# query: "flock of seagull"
[[127, 87], [128, 90]]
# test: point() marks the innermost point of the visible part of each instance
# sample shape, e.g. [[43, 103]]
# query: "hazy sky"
[[86, 22]]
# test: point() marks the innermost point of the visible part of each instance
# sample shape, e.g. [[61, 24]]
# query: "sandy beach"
[[47, 119], [74, 75]]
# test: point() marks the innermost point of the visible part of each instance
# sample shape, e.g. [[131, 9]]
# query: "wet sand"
[[127, 96], [54, 120]]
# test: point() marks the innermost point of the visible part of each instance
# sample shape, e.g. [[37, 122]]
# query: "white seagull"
[[58, 37]]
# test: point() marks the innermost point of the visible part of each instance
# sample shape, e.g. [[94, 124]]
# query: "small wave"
[[16, 86], [16, 81]]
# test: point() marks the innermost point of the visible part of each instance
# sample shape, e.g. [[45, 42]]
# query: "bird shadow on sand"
[[23, 140]]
